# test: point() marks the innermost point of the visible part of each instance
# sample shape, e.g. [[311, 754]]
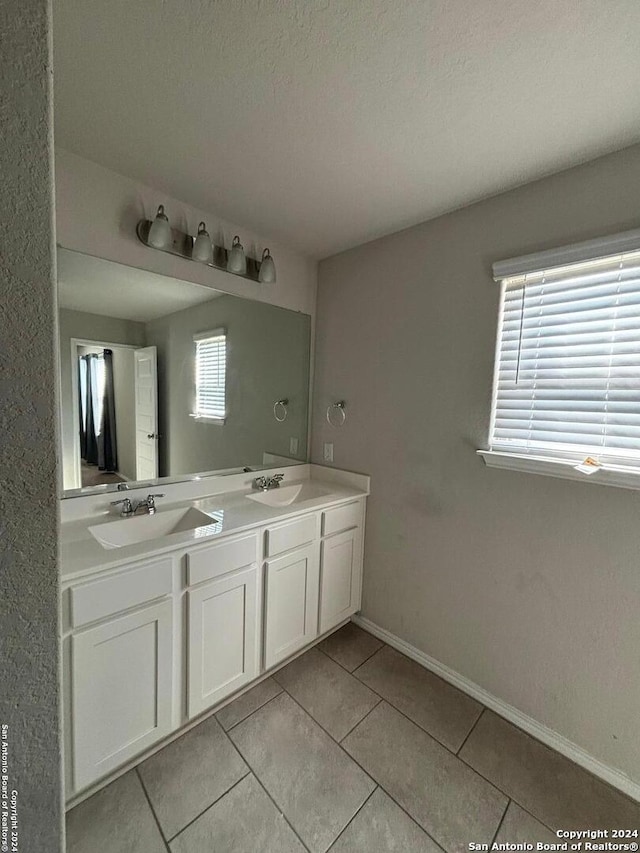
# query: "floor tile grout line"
[[343, 668], [503, 792], [210, 806], [526, 811], [153, 811], [248, 717], [410, 816], [339, 742], [422, 728], [500, 822], [341, 665], [483, 708], [319, 724], [350, 821], [373, 654], [251, 713], [473, 770], [355, 761], [254, 773]]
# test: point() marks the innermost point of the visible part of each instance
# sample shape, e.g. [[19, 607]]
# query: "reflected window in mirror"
[[210, 376]]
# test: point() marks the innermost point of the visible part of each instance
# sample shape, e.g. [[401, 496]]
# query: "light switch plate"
[[327, 453], [293, 446]]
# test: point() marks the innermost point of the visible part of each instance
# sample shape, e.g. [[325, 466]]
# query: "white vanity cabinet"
[[291, 587], [222, 621], [291, 609], [121, 668], [152, 644], [340, 564]]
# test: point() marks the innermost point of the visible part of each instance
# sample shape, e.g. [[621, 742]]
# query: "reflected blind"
[[567, 378], [211, 368]]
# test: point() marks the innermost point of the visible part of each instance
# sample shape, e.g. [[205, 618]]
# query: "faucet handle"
[[157, 495], [127, 506]]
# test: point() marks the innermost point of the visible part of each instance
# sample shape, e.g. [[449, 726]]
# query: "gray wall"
[[267, 359], [28, 571], [93, 327], [527, 585]]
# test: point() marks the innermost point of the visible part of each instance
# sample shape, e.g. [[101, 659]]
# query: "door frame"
[[75, 399]]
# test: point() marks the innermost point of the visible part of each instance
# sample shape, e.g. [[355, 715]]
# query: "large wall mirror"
[[164, 379]]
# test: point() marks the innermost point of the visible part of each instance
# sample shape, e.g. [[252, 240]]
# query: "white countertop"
[[231, 512]]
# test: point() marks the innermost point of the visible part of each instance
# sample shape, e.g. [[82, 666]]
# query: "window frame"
[[624, 473]]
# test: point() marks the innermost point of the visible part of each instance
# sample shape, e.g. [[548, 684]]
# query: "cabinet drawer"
[[96, 599], [293, 534], [341, 518], [221, 558]]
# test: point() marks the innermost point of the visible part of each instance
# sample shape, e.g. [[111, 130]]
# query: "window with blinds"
[[567, 375], [210, 370]]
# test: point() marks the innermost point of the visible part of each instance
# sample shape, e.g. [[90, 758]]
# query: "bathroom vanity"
[[166, 616]]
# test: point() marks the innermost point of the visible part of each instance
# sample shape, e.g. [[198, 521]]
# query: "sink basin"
[[287, 495], [129, 531]]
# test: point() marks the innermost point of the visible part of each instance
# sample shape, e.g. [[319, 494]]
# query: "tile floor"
[[351, 747]]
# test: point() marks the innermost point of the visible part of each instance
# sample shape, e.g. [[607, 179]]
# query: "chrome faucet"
[[127, 507], [263, 484], [149, 503], [130, 507]]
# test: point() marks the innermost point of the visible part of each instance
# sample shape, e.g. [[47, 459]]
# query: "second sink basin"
[[129, 531], [287, 495]]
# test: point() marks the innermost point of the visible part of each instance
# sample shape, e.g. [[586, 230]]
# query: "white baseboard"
[[542, 733]]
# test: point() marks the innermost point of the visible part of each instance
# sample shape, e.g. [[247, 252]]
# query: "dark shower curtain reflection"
[[97, 410], [107, 455]]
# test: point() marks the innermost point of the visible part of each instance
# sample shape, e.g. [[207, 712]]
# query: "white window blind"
[[211, 368], [567, 376]]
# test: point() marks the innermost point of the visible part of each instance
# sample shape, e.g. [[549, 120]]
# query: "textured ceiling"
[[326, 123]]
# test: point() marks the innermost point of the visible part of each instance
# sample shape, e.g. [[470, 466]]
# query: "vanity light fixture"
[[267, 268], [202, 247], [160, 233], [237, 262]]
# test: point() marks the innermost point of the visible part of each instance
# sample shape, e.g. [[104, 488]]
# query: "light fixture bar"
[[181, 245]]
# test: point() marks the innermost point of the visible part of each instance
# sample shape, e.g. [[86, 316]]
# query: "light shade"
[[160, 233], [237, 261], [202, 248], [267, 268]]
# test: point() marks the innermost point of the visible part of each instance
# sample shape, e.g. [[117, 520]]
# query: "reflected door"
[[146, 385]]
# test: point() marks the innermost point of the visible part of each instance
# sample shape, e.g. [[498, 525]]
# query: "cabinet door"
[[339, 578], [291, 603], [223, 633], [122, 678]]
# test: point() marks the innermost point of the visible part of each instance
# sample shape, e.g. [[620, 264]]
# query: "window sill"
[[607, 475], [207, 419]]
